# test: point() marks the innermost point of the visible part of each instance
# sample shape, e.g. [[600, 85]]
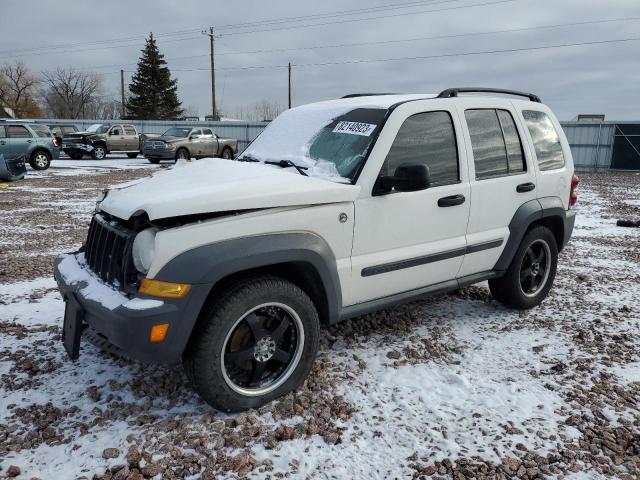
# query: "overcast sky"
[[601, 78]]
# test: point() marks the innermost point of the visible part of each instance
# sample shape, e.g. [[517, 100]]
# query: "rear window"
[[41, 131], [545, 140]]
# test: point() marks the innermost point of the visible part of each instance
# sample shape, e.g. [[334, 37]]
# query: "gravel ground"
[[452, 387]]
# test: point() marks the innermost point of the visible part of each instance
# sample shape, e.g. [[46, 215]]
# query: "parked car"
[[60, 131], [337, 209], [189, 142], [34, 141], [101, 139]]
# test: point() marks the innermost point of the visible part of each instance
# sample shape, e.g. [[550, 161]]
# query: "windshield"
[[331, 141], [98, 128], [181, 132]]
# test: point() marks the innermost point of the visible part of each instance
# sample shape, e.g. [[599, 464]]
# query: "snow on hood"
[[216, 185]]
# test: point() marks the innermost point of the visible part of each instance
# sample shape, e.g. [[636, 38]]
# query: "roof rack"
[[354, 95], [453, 92]]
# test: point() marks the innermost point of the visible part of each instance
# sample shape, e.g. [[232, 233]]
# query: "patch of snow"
[[142, 304]]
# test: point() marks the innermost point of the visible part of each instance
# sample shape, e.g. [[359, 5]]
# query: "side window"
[[207, 131], [497, 149], [18, 131], [68, 129], [196, 132], [129, 130], [545, 140], [41, 131], [3, 134], [116, 130], [427, 138]]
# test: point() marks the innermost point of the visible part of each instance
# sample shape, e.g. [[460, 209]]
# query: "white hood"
[[217, 185]]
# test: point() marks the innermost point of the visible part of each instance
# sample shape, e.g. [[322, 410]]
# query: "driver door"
[[407, 240], [117, 140]]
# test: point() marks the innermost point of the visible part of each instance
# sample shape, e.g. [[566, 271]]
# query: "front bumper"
[[125, 324], [159, 154]]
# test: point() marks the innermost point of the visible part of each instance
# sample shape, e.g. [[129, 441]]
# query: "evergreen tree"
[[153, 93]]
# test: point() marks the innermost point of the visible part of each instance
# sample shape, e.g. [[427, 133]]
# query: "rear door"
[[132, 141], [502, 177], [5, 145]]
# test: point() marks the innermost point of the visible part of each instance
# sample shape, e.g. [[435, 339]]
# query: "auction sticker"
[[355, 128]]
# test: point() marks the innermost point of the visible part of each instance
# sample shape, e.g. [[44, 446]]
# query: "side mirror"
[[408, 177]]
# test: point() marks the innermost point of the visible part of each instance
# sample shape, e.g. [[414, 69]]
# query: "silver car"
[[189, 142]]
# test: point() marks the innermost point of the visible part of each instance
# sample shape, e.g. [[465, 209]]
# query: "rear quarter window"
[[41, 131], [546, 140]]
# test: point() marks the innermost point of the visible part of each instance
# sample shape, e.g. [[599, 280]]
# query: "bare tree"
[[18, 90], [70, 93], [260, 111]]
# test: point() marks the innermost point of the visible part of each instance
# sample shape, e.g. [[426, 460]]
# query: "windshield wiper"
[[247, 158], [287, 164]]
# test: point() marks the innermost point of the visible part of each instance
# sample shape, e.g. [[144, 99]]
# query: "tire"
[[99, 152], [40, 160], [132, 155], [530, 275], [182, 154], [75, 156], [155, 161], [227, 153], [248, 320]]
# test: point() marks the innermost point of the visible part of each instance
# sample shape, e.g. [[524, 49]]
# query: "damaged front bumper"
[[124, 321]]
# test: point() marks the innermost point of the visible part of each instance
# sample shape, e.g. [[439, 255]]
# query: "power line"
[[385, 42], [421, 57], [48, 51]]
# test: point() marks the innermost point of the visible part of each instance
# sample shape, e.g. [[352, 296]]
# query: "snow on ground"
[[456, 386]]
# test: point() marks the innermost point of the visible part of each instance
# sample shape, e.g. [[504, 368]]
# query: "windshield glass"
[[181, 132], [98, 128], [330, 140]]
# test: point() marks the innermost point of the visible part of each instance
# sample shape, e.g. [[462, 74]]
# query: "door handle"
[[451, 201], [29, 141], [525, 187]]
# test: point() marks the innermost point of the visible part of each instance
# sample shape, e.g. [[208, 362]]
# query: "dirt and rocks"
[[152, 425]]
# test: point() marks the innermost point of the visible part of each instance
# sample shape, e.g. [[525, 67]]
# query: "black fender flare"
[[525, 216], [208, 264]]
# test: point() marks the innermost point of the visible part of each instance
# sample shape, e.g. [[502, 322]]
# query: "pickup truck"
[[183, 143], [101, 139]]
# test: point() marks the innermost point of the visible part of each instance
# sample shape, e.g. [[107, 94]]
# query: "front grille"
[[108, 252], [154, 145]]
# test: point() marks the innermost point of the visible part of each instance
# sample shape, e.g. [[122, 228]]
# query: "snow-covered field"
[[456, 386]]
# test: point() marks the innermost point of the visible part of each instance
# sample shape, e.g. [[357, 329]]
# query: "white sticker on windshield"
[[355, 128]]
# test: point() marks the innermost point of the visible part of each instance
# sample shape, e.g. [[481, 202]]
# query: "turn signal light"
[[158, 332], [573, 195], [158, 288]]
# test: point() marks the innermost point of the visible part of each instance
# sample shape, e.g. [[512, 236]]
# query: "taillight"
[[573, 195], [56, 142]]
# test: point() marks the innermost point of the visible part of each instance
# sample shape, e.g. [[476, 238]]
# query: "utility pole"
[[214, 112], [122, 92], [289, 84]]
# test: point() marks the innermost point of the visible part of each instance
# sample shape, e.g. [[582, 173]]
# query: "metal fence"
[[591, 142], [245, 132]]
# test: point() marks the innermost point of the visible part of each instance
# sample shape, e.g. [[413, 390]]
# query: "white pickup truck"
[[337, 209]]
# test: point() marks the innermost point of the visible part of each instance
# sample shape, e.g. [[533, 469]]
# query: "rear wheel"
[[255, 344], [40, 160], [99, 152], [530, 276], [182, 154], [227, 153], [132, 155]]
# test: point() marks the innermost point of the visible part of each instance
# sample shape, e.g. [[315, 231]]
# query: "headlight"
[[170, 146], [144, 249]]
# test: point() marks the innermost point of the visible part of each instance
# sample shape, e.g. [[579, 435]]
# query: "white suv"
[[337, 209]]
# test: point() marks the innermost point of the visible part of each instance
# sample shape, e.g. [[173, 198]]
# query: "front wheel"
[[40, 160], [253, 345], [182, 154], [530, 276], [99, 153]]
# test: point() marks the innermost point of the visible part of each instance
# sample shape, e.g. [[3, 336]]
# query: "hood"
[[216, 185]]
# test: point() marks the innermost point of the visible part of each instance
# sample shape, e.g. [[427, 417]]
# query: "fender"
[[210, 263], [528, 213]]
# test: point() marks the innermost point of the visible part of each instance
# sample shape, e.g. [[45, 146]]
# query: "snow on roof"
[[373, 101]]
